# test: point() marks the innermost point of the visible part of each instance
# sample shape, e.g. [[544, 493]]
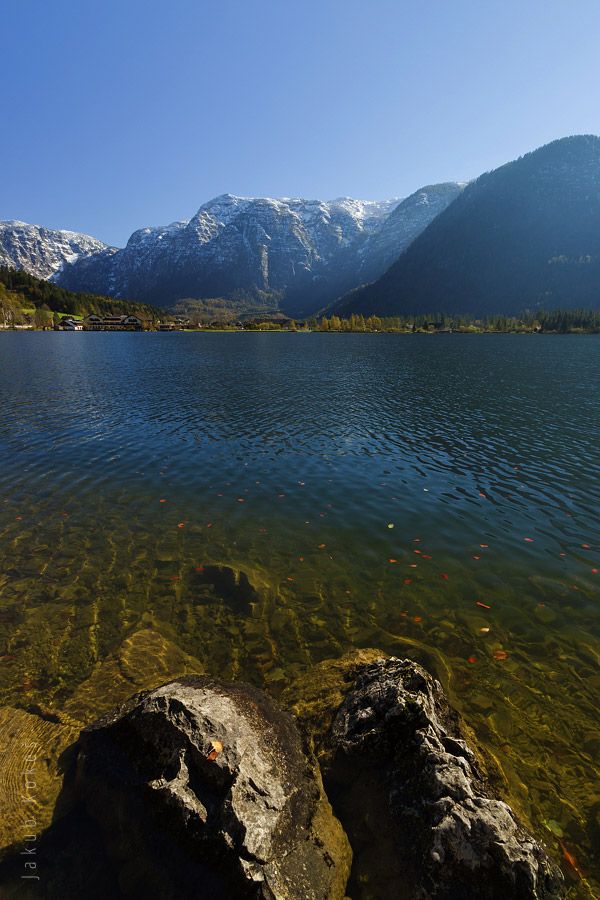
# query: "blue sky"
[[123, 113]]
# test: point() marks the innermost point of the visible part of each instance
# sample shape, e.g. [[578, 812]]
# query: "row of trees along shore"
[[561, 321]]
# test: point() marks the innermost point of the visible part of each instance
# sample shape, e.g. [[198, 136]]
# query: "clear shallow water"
[[287, 456]]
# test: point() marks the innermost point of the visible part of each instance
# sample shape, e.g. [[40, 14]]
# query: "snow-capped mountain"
[[293, 250], [42, 251], [297, 254]]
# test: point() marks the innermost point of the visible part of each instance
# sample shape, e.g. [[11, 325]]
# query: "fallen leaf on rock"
[[217, 747]]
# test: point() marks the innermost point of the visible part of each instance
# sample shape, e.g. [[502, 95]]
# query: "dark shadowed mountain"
[[526, 235]]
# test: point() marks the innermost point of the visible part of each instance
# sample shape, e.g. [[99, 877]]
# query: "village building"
[[113, 323], [176, 323], [68, 323]]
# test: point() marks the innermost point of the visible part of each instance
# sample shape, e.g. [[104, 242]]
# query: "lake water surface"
[[130, 461]]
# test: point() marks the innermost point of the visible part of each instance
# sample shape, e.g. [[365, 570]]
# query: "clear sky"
[[123, 113]]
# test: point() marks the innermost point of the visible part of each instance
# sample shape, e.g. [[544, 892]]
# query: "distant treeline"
[[20, 291], [558, 321]]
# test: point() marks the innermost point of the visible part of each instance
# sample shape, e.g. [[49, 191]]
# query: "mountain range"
[[298, 255], [525, 235]]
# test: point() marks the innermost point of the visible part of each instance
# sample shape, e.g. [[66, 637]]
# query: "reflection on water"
[[432, 496]]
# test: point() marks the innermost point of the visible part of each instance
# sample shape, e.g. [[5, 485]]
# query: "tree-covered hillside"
[[525, 236], [18, 291]]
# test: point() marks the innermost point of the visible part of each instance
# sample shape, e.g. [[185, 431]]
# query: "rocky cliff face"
[[43, 251]]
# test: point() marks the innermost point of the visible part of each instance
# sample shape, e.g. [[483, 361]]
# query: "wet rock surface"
[[414, 800], [201, 788]]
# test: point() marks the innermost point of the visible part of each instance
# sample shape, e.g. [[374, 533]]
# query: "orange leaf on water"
[[483, 605], [408, 581], [472, 659], [417, 618], [444, 575], [322, 546], [392, 560], [571, 859], [500, 654], [181, 525]]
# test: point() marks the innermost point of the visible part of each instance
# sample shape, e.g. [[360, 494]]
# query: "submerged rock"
[[201, 789], [414, 800]]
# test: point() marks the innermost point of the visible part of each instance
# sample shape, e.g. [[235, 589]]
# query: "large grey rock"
[[414, 800], [201, 789]]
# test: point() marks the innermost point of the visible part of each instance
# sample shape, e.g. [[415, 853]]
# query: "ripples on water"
[[267, 447]]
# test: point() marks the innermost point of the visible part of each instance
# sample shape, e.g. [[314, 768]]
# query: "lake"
[[432, 496]]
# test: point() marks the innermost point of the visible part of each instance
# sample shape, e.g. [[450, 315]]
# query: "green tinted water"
[[133, 463]]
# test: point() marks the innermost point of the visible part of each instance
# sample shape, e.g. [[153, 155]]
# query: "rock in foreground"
[[201, 789], [414, 801]]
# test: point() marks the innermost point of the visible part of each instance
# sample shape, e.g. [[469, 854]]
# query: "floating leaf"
[[472, 659], [444, 575], [500, 654], [181, 525], [482, 605], [392, 560]]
